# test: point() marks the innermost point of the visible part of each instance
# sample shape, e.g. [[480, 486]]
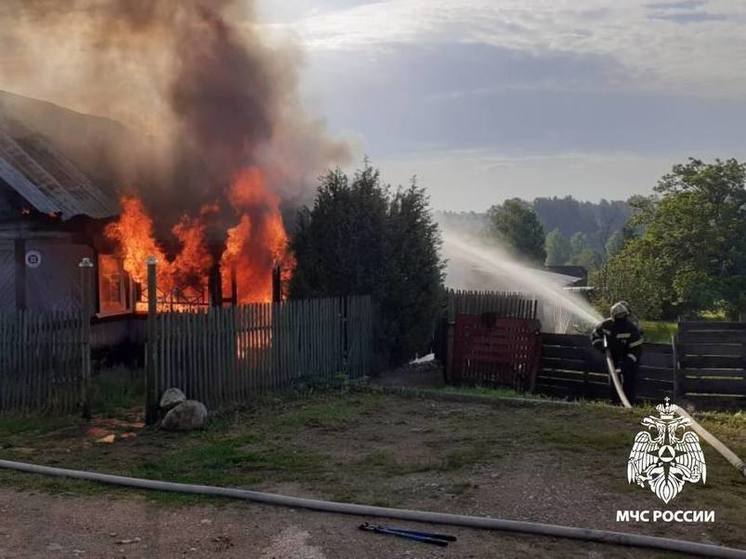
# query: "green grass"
[[117, 389], [323, 413], [375, 449], [484, 391], [496, 393], [14, 430], [658, 331]]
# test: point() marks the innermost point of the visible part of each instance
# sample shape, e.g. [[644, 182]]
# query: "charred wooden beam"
[[276, 283], [234, 286], [215, 284]]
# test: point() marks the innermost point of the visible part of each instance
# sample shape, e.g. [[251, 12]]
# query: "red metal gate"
[[491, 351]]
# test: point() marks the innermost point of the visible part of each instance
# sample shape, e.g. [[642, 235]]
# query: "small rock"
[[172, 398], [129, 541], [187, 416], [54, 547]]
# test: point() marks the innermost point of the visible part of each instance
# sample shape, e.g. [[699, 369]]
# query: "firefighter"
[[624, 340]]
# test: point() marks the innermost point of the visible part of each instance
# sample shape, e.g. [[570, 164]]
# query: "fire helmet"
[[620, 310]]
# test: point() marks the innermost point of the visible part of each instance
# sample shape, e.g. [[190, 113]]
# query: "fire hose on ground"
[[484, 523]]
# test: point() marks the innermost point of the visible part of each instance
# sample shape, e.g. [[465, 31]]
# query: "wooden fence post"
[[151, 398], [346, 335], [450, 335], [677, 387], [86, 285]]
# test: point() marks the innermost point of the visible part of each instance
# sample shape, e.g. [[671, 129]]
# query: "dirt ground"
[[558, 464], [63, 526], [425, 374]]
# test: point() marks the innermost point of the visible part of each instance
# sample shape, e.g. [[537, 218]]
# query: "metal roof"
[[49, 181]]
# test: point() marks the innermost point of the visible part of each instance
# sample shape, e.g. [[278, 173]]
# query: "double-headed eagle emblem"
[[663, 460]]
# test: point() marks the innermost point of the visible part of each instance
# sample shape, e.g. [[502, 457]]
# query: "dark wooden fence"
[[231, 355], [571, 368], [491, 351], [712, 364], [44, 362]]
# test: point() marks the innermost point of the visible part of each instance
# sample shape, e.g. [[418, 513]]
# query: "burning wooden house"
[[53, 213]]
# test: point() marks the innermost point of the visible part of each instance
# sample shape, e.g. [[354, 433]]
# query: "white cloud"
[[594, 98], [696, 48]]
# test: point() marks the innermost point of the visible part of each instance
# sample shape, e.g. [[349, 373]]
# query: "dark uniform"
[[625, 342]]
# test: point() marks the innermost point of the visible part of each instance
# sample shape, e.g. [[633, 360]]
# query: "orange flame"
[[191, 265], [257, 242], [134, 234], [253, 246]]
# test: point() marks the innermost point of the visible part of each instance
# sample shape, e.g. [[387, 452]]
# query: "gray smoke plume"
[[201, 93]]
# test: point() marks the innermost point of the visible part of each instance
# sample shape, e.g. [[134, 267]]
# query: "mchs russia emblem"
[[666, 455]]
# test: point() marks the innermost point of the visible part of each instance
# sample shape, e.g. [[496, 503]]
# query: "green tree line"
[[678, 252], [684, 252]]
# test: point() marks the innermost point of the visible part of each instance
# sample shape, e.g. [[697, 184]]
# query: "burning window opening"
[[202, 271], [113, 286]]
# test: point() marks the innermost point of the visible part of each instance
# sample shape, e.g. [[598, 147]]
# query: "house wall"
[[55, 284], [7, 275], [52, 285]]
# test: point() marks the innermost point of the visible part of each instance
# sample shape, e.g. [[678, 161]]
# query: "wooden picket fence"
[[500, 304], [229, 356], [44, 362]]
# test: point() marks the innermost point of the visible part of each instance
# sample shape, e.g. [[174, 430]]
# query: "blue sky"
[[489, 99]]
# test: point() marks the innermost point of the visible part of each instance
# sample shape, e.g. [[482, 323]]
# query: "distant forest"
[[585, 231], [599, 222]]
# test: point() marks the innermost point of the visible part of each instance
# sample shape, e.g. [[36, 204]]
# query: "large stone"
[[187, 416], [172, 398]]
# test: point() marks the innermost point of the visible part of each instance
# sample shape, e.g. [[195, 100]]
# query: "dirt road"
[[62, 527]]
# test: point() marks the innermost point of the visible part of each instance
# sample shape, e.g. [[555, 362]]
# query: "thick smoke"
[[200, 92]]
